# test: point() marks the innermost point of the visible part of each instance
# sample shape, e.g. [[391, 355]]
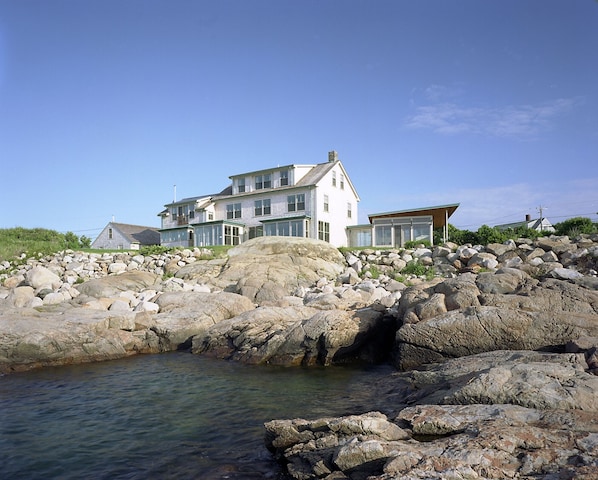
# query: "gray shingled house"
[[122, 236]]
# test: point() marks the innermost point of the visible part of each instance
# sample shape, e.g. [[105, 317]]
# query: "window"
[[231, 235], [421, 232], [293, 228], [233, 210], [210, 216], [364, 239], [263, 181], [342, 182], [110, 233], [334, 179], [262, 207], [324, 231], [296, 202], [241, 185], [191, 213], [349, 211], [383, 235], [284, 178], [325, 203], [256, 232]]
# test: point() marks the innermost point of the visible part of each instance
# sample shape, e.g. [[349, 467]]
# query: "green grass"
[[15, 242], [34, 242]]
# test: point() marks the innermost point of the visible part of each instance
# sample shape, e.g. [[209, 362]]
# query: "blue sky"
[[106, 104]]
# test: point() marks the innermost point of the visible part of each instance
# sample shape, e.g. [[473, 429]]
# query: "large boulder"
[[491, 311], [31, 338], [265, 269], [185, 314], [519, 377], [440, 442], [482, 329], [296, 335], [112, 285]]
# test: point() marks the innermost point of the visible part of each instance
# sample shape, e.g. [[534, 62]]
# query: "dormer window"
[[263, 181], [284, 178], [241, 185]]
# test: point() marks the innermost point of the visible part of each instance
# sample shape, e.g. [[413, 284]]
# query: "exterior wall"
[[278, 206], [116, 242], [339, 196]]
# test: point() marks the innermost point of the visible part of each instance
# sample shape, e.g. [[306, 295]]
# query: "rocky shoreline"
[[495, 355]]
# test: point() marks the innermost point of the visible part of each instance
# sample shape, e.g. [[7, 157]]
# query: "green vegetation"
[[17, 241], [575, 226], [374, 271], [485, 234], [416, 243], [416, 268]]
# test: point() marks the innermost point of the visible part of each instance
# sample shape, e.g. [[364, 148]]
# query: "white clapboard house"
[[313, 201]]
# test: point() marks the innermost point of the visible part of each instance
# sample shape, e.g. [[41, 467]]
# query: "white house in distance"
[[539, 224], [123, 236], [314, 201]]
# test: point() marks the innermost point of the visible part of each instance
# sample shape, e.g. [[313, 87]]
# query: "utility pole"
[[541, 210]]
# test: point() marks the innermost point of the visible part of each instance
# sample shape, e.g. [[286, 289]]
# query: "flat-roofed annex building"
[[394, 229]]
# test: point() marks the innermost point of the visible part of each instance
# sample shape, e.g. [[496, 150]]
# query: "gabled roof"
[[138, 233], [315, 174], [262, 171], [188, 200], [531, 224], [439, 213], [319, 171]]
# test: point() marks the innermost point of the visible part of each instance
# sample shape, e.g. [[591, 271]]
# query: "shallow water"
[[173, 415]]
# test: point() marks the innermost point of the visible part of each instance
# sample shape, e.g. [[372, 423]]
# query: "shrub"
[[416, 243], [374, 271], [575, 226]]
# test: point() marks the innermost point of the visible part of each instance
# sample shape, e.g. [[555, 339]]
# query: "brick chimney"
[[528, 218], [332, 156]]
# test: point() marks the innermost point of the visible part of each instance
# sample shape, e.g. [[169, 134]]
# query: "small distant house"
[[122, 236], [394, 229], [538, 224]]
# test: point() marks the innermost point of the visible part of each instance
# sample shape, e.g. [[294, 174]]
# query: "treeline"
[[572, 227], [17, 241]]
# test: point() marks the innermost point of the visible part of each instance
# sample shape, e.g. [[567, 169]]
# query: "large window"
[[383, 235], [231, 235], [233, 210], [296, 202], [262, 207], [284, 178], [324, 231], [263, 181], [421, 232], [291, 228]]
